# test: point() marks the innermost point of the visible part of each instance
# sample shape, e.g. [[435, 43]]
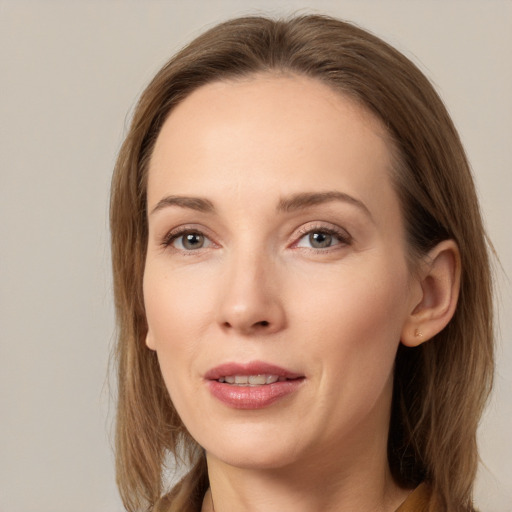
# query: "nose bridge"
[[250, 301]]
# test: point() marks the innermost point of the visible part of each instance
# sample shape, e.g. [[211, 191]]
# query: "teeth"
[[251, 380]]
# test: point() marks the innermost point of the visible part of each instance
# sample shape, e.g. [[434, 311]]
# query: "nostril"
[[262, 323]]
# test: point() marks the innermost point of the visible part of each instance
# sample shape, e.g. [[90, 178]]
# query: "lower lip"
[[253, 397]]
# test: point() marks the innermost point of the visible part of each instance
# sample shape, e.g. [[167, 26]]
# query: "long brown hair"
[[441, 386]]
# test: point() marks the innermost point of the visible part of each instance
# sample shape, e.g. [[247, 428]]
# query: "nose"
[[251, 297]]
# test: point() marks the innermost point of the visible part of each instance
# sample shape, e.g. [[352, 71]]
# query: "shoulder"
[[417, 501]]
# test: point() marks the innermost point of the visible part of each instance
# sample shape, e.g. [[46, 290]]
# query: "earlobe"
[[149, 341], [439, 280]]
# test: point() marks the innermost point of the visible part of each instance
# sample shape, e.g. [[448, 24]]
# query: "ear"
[[439, 281], [150, 343]]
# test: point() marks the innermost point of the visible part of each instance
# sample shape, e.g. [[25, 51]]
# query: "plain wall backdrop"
[[70, 73]]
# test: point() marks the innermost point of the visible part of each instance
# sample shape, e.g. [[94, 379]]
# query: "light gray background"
[[70, 73]]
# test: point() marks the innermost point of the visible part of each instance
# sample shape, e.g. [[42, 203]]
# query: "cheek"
[[172, 312], [356, 322], [180, 316], [178, 306], [353, 334], [370, 296]]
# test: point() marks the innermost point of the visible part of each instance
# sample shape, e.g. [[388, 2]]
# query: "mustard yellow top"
[[417, 500]]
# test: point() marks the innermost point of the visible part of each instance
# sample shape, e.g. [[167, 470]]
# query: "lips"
[[249, 369], [254, 385]]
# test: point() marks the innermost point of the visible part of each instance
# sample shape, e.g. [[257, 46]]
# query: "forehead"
[[284, 133], [295, 101]]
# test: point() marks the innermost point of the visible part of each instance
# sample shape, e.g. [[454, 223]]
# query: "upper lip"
[[251, 368]]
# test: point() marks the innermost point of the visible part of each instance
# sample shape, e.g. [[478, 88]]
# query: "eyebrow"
[[293, 203], [193, 203], [307, 199]]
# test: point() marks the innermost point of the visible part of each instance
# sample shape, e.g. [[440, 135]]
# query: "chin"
[[269, 451], [254, 460]]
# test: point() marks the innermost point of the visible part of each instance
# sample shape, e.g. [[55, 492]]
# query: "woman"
[[301, 279]]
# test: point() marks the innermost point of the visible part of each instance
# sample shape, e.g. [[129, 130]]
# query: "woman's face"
[[276, 285]]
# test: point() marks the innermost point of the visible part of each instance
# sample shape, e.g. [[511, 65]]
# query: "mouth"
[[254, 373], [251, 380], [254, 385]]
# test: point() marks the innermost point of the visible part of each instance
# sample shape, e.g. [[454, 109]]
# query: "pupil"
[[193, 241], [320, 240]]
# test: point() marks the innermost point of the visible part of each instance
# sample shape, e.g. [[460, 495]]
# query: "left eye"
[[319, 239]]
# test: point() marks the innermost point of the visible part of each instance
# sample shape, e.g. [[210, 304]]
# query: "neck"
[[358, 479]]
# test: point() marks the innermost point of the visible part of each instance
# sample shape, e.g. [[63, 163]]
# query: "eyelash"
[[175, 234], [341, 235]]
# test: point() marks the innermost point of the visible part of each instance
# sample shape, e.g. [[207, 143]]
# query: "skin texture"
[[257, 290]]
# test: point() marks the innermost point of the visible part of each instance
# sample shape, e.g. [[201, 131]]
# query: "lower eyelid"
[[166, 241], [170, 238], [341, 235], [337, 242]]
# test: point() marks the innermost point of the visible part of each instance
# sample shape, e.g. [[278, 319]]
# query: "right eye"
[[188, 241]]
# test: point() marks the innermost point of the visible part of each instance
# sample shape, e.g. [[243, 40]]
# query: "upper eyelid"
[[178, 231], [344, 240], [323, 226]]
